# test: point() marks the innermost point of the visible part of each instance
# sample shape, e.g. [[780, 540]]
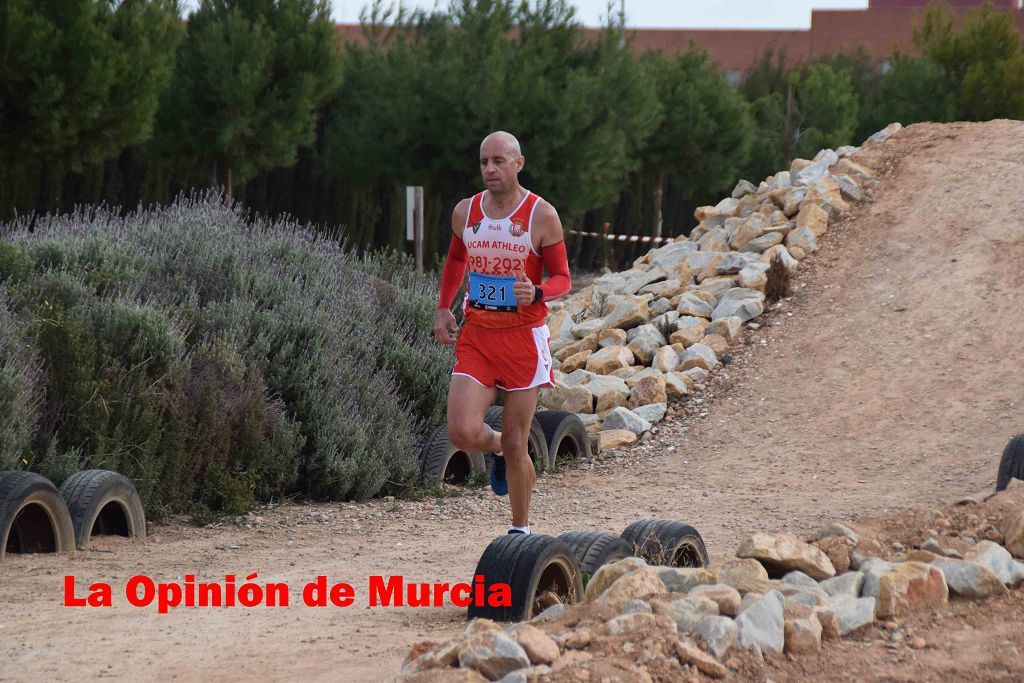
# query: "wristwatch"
[[538, 293]]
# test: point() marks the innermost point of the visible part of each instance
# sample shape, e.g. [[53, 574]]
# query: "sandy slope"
[[893, 379]]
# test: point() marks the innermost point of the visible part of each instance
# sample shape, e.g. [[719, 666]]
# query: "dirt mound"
[[890, 381]]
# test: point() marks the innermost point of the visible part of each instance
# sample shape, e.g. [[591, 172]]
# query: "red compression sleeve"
[[556, 261], [453, 272]]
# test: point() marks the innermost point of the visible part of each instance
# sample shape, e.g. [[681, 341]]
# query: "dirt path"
[[887, 382]]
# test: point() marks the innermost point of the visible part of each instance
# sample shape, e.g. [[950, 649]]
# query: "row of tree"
[[122, 102]]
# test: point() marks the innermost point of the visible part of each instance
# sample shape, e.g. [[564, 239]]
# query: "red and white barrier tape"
[[622, 238]]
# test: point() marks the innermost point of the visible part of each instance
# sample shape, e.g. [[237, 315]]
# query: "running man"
[[507, 236]]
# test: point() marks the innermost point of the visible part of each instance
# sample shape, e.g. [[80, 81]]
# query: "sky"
[[669, 13]]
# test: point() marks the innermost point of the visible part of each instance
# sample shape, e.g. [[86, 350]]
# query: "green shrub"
[[19, 390], [218, 360]]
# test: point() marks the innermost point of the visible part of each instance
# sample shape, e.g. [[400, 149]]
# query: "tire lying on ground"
[[565, 434], [666, 543], [593, 549], [536, 445], [441, 461], [33, 516], [541, 570], [1011, 465], [103, 503]]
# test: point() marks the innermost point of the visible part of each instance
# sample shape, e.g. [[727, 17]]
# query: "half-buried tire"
[[565, 434], [1011, 466], [666, 543], [539, 569], [33, 516], [441, 461], [103, 503], [594, 549], [536, 445]]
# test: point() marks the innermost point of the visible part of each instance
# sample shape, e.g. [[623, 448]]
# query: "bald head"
[[501, 160], [504, 143]]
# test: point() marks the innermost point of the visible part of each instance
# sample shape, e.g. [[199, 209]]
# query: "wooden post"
[[418, 230], [604, 246], [414, 222]]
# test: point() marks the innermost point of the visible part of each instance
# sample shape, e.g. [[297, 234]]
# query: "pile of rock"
[[782, 594], [632, 341]]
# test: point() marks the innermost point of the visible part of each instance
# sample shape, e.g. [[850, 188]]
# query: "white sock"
[[524, 529]]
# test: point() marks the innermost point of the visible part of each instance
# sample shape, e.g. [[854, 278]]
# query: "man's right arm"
[[455, 262]]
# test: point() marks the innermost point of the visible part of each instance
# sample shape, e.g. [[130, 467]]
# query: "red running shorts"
[[511, 360]]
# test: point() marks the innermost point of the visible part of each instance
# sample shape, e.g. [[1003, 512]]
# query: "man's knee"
[[463, 435], [513, 443]]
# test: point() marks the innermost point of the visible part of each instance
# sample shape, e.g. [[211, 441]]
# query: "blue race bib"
[[492, 292]]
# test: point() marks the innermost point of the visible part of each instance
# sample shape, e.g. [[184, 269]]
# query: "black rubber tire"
[[537, 446], [594, 549], [565, 435], [441, 461], [667, 543], [1011, 465], [33, 516], [103, 503], [531, 564]]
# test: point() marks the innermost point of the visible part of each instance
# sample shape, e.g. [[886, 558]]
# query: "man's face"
[[499, 166]]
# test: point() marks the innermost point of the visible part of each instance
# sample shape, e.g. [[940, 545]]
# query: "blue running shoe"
[[499, 484]]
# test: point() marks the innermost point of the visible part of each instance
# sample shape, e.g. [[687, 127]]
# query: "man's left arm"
[[552, 250]]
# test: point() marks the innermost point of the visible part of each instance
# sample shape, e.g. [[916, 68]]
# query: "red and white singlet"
[[501, 246]]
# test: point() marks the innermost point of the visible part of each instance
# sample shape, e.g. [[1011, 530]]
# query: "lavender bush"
[[219, 360]]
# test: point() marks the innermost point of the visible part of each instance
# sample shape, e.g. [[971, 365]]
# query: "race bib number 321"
[[492, 292]]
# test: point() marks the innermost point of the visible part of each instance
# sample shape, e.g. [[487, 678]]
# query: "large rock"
[[727, 597], [690, 304], [611, 439], [904, 587], [743, 188], [997, 559], [885, 133], [689, 330], [698, 356], [1012, 528], [761, 244], [744, 309], [588, 343], [539, 647], [652, 412], [851, 168], [853, 613], [445, 676], [677, 385], [685, 579], [636, 584], [781, 553], [787, 259], [970, 580], [720, 634], [734, 262], [628, 312], [635, 283], [745, 576], [803, 239], [585, 328], [672, 255], [811, 173], [665, 359], [715, 241], [839, 550], [608, 359], [754, 277], [726, 328], [636, 621], [716, 342], [802, 635], [576, 361], [648, 390], [688, 653], [813, 217], [845, 585], [574, 399], [623, 418], [762, 625], [493, 655], [848, 187], [835, 529], [645, 341], [599, 385], [665, 290], [608, 574], [611, 337], [685, 612], [610, 400]]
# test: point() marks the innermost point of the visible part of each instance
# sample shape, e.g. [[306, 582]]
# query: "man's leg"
[[516, 420], [468, 402]]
